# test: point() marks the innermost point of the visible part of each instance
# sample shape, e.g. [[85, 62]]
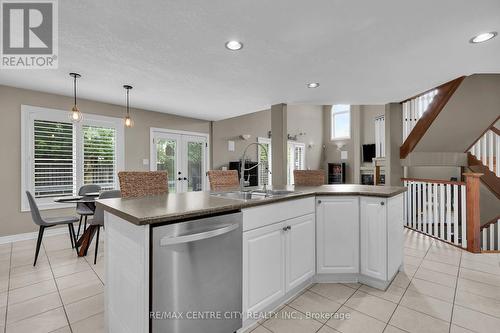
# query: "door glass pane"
[[195, 166], [165, 160]]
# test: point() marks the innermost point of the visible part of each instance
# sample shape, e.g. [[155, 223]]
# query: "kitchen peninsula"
[[266, 249]]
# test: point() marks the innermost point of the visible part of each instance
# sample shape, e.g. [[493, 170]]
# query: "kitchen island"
[[330, 233]]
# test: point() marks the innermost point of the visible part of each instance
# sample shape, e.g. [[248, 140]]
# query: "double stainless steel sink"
[[252, 195]]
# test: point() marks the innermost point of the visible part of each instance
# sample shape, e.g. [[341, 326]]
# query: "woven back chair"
[[221, 180], [309, 177], [142, 183]]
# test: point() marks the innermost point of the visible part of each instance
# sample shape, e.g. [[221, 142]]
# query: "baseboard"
[[33, 235]]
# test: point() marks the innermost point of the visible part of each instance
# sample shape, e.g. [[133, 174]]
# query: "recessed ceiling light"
[[483, 37], [313, 85], [234, 45]]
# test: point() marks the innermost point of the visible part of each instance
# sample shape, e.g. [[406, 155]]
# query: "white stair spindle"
[[490, 150], [455, 215], [491, 229], [478, 155], [424, 208], [497, 155], [498, 235], [484, 157], [435, 218], [441, 210], [485, 239], [464, 215], [448, 212]]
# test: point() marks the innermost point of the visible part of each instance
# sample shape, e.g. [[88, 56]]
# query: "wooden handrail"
[[445, 91], [428, 91], [436, 181], [492, 221], [491, 127]]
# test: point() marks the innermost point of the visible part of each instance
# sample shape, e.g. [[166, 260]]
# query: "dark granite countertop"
[[173, 207]]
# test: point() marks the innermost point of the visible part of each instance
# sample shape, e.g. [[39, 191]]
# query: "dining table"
[[83, 243]]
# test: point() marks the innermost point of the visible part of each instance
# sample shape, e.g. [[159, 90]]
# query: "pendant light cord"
[[128, 103], [74, 88]]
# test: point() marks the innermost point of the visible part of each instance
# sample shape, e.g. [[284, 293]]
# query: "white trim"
[[30, 113], [33, 235]]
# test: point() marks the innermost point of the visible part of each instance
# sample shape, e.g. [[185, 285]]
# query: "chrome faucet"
[[243, 169]]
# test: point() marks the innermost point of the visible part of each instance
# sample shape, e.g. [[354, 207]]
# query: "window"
[[58, 156], [265, 176], [296, 159], [380, 136], [340, 122]]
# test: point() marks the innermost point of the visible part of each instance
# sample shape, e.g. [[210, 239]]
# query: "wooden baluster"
[[473, 212]]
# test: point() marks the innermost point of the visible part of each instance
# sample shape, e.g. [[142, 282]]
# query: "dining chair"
[[142, 183], [47, 222], [98, 219], [221, 180], [309, 177], [85, 210]]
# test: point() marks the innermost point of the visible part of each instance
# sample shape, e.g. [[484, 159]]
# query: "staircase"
[[439, 125]]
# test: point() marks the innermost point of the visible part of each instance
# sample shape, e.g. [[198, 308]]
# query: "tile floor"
[[443, 289], [63, 293]]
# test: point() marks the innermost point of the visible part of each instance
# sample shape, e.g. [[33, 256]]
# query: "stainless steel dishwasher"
[[197, 276]]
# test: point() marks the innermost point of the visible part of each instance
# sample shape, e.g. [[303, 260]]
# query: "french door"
[[183, 155]]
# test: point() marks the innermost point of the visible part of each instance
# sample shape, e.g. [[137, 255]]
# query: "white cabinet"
[[300, 250], [374, 237], [337, 234], [278, 256], [263, 266]]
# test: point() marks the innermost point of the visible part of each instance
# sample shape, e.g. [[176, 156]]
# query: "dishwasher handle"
[[173, 240]]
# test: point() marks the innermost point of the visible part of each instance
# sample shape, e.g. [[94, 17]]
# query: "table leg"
[[85, 240]]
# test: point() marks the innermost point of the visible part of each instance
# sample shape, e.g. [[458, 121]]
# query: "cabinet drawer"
[[256, 217]]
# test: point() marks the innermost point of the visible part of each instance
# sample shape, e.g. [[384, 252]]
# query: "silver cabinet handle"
[[285, 228], [319, 201], [382, 203], [289, 227], [198, 236]]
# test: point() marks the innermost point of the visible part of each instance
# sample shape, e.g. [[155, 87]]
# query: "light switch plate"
[[230, 145], [145, 161], [343, 155]]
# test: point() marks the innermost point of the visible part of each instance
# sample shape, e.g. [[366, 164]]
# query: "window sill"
[[340, 139]]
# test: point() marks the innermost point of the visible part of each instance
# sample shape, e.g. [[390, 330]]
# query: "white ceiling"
[[172, 52]]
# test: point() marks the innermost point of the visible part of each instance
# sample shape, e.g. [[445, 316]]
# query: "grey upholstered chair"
[[84, 210], [98, 218], [47, 222]]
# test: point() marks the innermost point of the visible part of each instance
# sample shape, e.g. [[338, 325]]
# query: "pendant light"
[[128, 121], [75, 114]]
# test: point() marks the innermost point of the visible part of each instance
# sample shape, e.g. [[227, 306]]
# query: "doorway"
[[184, 155]]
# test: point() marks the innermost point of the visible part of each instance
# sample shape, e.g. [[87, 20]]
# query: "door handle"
[[198, 236], [285, 228], [289, 227], [180, 178], [382, 203], [319, 201]]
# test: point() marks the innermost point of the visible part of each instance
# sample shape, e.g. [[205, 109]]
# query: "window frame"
[[332, 123], [290, 167], [31, 113], [265, 141]]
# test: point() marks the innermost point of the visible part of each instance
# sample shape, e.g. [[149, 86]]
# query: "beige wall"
[[257, 124], [308, 119], [300, 118], [12, 221]]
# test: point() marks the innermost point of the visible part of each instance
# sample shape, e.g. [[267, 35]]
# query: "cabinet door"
[[374, 237], [300, 250], [337, 235], [263, 266]]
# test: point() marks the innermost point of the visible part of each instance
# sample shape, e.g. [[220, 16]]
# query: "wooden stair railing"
[[446, 210], [489, 179], [438, 102]]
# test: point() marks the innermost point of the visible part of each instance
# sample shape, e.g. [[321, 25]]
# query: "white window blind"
[[99, 156], [380, 136], [53, 162]]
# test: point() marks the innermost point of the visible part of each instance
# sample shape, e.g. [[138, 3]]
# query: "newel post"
[[473, 212]]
